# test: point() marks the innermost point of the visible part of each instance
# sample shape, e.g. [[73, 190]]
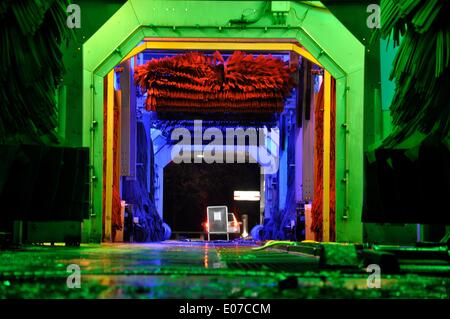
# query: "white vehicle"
[[234, 226]]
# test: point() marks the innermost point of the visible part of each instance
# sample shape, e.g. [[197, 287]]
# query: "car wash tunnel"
[[224, 149]]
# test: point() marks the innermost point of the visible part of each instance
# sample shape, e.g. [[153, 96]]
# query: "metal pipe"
[[91, 160], [345, 215]]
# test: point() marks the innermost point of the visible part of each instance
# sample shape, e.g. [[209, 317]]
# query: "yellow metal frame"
[[192, 45], [109, 155], [326, 155], [231, 46]]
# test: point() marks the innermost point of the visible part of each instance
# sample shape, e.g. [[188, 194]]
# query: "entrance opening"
[[157, 194], [190, 188], [312, 32]]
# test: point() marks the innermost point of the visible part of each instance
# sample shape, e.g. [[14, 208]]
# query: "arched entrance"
[[175, 23]]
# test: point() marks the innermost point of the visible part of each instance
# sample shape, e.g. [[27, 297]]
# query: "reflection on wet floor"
[[191, 269]]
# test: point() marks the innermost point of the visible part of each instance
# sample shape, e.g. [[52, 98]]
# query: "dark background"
[[190, 188]]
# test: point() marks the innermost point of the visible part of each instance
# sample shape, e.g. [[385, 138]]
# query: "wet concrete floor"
[[192, 269]]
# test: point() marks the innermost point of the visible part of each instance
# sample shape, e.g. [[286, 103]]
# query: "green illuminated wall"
[[94, 13], [354, 16]]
